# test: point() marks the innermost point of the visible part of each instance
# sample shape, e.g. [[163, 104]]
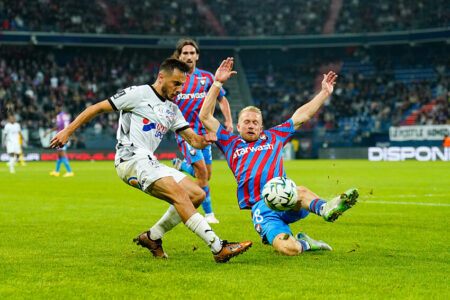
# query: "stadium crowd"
[[34, 81], [221, 17], [370, 95]]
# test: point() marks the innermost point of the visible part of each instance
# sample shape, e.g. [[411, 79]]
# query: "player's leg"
[[167, 189], [187, 151], [171, 218], [201, 175], [330, 210], [61, 154], [274, 230], [12, 161], [207, 204], [163, 183], [65, 162]]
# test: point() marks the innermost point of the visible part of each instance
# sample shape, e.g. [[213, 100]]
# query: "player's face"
[[189, 55], [250, 126], [172, 84]]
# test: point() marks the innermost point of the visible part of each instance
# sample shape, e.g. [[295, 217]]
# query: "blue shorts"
[[63, 148], [193, 155], [269, 223]]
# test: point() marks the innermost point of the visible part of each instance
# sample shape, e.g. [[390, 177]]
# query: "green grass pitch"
[[72, 237]]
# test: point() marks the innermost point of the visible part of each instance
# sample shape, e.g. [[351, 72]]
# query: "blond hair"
[[252, 109]]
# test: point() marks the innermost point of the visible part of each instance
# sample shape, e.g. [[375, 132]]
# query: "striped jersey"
[[253, 164], [62, 120], [192, 96]]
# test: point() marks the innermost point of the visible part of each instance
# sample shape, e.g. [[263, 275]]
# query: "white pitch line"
[[405, 203]]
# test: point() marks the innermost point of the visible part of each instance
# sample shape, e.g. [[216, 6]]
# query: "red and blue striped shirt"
[[253, 164], [192, 96]]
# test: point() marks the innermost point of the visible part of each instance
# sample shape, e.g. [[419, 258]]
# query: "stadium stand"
[[222, 17]]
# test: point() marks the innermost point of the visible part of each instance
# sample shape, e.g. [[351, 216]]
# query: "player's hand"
[[229, 126], [328, 82], [210, 137], [60, 139], [224, 71]]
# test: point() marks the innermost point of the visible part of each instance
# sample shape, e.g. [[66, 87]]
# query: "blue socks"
[[58, 164], [65, 161], [206, 205], [316, 205], [187, 168]]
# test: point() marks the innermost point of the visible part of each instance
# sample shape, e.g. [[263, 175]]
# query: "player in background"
[[62, 121], [11, 136], [197, 162], [146, 114], [254, 157]]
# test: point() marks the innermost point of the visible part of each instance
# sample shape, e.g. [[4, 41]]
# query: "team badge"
[[193, 152], [258, 228], [263, 136], [147, 126], [202, 81], [134, 183]]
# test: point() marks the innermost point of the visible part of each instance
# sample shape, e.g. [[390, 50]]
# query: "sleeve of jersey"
[[126, 99], [224, 139], [284, 131], [179, 122]]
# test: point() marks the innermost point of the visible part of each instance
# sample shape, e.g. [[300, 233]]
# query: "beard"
[[164, 92]]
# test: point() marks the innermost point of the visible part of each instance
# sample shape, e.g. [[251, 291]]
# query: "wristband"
[[218, 84]]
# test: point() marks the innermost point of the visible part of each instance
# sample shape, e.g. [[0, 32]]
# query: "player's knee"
[[286, 246], [197, 196]]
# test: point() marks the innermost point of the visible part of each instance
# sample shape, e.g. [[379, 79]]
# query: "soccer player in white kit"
[[146, 114], [11, 137]]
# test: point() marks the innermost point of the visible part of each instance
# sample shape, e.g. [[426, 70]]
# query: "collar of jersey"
[[158, 95], [196, 72]]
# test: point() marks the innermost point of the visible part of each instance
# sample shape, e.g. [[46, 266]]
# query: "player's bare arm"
[[206, 115], [306, 111], [226, 111], [88, 114], [197, 141]]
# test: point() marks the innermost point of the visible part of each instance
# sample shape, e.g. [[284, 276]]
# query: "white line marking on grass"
[[405, 203]]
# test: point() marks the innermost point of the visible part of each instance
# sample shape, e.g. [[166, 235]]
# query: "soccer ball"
[[280, 194]]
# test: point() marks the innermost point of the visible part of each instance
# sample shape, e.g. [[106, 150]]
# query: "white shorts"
[[141, 171], [13, 148]]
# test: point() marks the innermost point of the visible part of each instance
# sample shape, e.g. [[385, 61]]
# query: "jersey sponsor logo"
[[192, 96], [160, 129], [242, 151]]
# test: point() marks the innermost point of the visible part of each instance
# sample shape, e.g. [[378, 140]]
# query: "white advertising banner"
[[405, 153], [419, 133]]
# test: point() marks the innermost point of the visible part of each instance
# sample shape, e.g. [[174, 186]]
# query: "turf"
[[71, 237]]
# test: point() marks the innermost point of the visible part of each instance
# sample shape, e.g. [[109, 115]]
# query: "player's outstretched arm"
[[88, 114], [207, 112], [306, 111], [226, 111], [197, 141]]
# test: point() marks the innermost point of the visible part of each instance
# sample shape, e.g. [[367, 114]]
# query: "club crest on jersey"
[[192, 152], [147, 125], [263, 137], [202, 81]]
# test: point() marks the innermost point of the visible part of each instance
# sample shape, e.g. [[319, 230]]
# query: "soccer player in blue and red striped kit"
[[197, 162], [254, 157]]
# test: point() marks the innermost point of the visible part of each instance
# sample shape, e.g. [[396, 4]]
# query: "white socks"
[[200, 227], [12, 161], [167, 222]]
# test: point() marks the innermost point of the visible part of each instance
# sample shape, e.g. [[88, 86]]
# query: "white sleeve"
[[126, 99], [179, 122], [6, 129]]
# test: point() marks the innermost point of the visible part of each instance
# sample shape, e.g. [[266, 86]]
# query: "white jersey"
[[144, 119], [12, 131]]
